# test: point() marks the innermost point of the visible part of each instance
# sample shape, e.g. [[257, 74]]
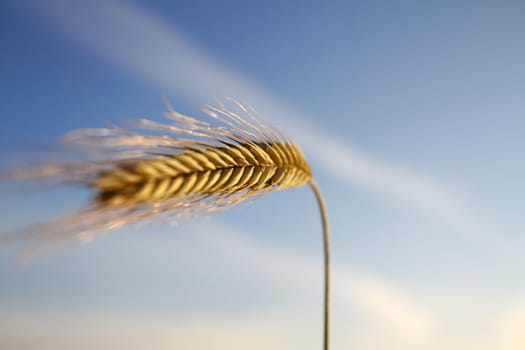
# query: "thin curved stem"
[[326, 244]]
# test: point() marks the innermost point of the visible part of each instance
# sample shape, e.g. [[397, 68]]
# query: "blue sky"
[[411, 113]]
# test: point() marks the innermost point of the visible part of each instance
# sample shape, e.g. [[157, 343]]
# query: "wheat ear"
[[207, 167], [213, 171]]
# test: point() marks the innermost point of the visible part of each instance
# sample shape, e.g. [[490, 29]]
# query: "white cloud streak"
[[97, 329], [371, 302], [511, 325], [360, 292], [156, 51]]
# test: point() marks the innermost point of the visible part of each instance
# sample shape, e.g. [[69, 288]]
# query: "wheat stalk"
[[207, 167]]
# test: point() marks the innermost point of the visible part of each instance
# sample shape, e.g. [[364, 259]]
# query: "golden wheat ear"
[[182, 169]]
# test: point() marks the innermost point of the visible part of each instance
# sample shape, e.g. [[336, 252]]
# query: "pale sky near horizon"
[[412, 115]]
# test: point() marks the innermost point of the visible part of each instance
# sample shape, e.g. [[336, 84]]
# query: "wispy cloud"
[[511, 325], [156, 51], [396, 310], [375, 303], [356, 291], [98, 329]]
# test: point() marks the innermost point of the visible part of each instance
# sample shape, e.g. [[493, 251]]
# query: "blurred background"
[[412, 114]]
